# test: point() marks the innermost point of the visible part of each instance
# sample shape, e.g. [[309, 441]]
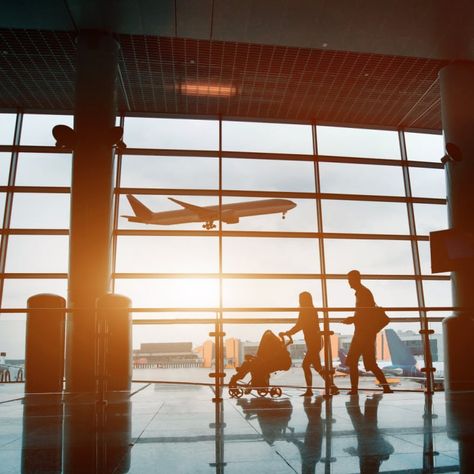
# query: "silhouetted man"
[[363, 342]]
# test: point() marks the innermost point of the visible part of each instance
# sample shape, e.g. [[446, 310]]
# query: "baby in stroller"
[[272, 355]]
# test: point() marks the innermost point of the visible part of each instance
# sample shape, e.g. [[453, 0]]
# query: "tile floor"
[[177, 429]]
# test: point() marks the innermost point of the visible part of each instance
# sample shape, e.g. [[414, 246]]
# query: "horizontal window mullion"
[[282, 194], [33, 276], [269, 234], [271, 276], [167, 321], [34, 231], [36, 189]]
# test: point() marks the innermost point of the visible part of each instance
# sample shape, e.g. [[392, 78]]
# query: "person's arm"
[[297, 327], [349, 320]]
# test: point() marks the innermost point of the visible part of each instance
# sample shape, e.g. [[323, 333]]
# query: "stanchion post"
[[44, 352]]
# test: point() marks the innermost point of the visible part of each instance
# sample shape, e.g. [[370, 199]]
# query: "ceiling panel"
[[269, 82]]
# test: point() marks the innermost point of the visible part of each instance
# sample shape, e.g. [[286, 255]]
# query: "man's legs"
[[353, 363], [370, 363]]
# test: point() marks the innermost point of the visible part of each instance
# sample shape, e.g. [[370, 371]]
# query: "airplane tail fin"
[[399, 352], [139, 208], [342, 356]]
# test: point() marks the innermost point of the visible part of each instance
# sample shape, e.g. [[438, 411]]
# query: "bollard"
[[44, 353], [114, 343]]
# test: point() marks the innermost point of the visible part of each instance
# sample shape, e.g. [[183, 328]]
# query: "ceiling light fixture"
[[209, 90]]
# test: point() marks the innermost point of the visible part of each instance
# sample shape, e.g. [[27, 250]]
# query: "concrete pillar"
[[91, 200], [44, 348], [457, 108]]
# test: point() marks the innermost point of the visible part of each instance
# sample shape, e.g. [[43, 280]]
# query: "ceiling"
[[347, 62]]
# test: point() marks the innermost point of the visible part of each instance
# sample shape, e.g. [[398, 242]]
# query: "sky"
[[149, 254]]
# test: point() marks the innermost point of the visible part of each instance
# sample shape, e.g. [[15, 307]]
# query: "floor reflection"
[[272, 415], [182, 431], [310, 448], [372, 449]]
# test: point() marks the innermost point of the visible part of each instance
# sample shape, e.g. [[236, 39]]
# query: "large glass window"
[[276, 228]]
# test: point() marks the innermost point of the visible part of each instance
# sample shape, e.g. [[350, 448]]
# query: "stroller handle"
[[282, 337]]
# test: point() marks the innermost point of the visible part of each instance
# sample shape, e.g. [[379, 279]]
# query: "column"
[[91, 200], [457, 108]]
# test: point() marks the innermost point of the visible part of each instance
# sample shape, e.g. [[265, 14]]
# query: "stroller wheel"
[[275, 392], [262, 392], [235, 392]]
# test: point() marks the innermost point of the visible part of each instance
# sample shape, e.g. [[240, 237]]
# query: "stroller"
[[272, 355]]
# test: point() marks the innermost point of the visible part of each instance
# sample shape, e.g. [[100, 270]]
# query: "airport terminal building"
[[181, 171]]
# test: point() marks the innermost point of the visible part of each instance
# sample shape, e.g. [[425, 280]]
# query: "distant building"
[[206, 353], [166, 354], [410, 338]]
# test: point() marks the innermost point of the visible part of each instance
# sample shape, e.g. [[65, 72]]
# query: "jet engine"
[[230, 218]]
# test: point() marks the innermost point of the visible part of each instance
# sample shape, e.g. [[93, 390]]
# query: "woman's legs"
[[312, 359], [308, 376]]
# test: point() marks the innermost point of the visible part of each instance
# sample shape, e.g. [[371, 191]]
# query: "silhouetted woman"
[[308, 322]]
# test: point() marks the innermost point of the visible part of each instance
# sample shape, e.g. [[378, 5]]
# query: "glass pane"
[[424, 146], [7, 128], [267, 137], [430, 217], [169, 172], [266, 255], [268, 175], [37, 253], [4, 168], [428, 183], [365, 217], [173, 352], [158, 204], [17, 291], [301, 218], [2, 207], [268, 293], [387, 293], [167, 254], [37, 129], [170, 293], [368, 256], [361, 179], [181, 134], [437, 293], [12, 340], [40, 211], [357, 142], [41, 169]]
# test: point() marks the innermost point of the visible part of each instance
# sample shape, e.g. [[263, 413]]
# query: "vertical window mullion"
[[9, 198]]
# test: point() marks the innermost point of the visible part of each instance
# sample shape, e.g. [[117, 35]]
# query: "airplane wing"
[[202, 212]]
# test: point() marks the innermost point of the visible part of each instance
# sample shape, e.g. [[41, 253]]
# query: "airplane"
[[343, 368], [403, 363], [230, 213]]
